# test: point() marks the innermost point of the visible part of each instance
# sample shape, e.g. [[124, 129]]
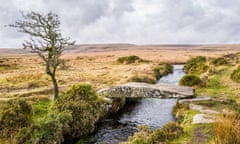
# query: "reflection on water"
[[150, 111]]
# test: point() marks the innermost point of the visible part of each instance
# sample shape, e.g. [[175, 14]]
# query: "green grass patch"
[[41, 108], [186, 137], [195, 133], [229, 104], [214, 88]]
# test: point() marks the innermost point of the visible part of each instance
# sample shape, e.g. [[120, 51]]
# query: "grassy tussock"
[[145, 79], [196, 65], [235, 76], [162, 70], [190, 80], [227, 130], [170, 131], [131, 59], [219, 61]]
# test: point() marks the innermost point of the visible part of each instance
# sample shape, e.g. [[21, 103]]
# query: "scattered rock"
[[202, 110], [203, 118], [202, 98]]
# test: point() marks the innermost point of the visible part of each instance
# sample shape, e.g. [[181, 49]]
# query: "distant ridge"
[[79, 48]]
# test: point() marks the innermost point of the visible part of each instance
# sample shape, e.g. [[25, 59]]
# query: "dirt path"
[[200, 136]]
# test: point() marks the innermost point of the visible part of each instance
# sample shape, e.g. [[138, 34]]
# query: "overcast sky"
[[131, 21]]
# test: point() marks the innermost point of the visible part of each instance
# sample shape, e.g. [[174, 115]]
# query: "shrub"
[[179, 111], [227, 130], [72, 116], [82, 102], [190, 80], [50, 130], [219, 61], [157, 73], [196, 65], [162, 70], [167, 69], [130, 59], [235, 76], [169, 131], [14, 115], [144, 79]]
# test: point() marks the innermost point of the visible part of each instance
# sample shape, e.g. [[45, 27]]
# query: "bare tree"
[[45, 40]]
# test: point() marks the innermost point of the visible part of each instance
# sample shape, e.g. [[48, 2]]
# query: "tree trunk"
[[55, 87]]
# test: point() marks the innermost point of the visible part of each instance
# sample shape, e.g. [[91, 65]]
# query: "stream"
[[151, 112]]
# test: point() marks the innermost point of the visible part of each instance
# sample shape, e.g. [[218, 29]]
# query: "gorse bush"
[[14, 115], [81, 100], [169, 131], [190, 80], [196, 65], [50, 130], [144, 79], [72, 116], [130, 59], [219, 61], [235, 76]]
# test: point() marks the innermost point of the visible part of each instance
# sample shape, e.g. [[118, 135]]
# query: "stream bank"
[[151, 112]]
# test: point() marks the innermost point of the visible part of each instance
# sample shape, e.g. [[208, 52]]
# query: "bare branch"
[[45, 38]]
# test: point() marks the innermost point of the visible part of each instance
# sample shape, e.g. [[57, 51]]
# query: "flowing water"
[[151, 112], [174, 77]]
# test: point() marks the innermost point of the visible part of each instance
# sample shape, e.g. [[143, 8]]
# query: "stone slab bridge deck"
[[144, 90]]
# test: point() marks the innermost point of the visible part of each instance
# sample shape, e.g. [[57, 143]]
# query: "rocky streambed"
[[152, 112]]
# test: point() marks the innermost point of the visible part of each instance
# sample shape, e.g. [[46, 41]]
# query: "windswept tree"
[[45, 39]]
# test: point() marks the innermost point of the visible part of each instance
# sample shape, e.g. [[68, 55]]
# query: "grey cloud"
[[132, 21]]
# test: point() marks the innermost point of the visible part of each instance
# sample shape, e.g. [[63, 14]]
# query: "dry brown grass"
[[99, 69], [227, 130]]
